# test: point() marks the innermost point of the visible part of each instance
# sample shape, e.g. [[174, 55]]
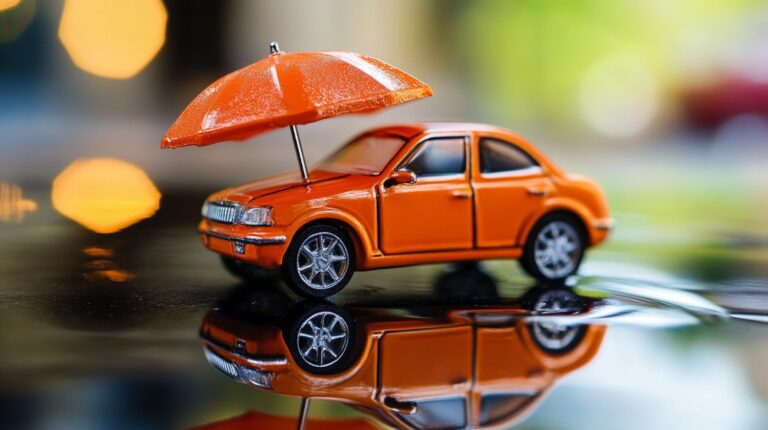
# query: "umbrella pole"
[[299, 153], [303, 412]]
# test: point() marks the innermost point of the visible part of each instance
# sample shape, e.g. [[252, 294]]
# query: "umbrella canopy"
[[286, 89]]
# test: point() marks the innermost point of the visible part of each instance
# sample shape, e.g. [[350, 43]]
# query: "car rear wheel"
[[549, 336], [554, 248], [319, 262]]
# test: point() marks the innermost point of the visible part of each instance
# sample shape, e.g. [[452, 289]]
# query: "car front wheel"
[[319, 262], [322, 339], [554, 248]]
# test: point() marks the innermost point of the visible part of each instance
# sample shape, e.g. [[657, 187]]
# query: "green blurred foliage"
[[528, 58]]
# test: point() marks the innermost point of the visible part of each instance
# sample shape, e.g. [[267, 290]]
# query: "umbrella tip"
[[274, 48]]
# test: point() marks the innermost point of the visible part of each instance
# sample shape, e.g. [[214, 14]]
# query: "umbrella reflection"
[[104, 195]]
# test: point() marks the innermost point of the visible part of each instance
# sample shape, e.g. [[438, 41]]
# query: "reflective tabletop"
[[143, 328]]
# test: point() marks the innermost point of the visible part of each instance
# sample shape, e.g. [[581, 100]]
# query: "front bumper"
[[254, 240], [238, 372], [262, 246]]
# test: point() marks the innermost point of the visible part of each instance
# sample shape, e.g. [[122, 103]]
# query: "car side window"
[[438, 157], [438, 414], [499, 156]]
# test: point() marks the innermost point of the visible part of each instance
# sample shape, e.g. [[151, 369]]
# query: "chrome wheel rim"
[[552, 336], [322, 261], [322, 339], [557, 249]]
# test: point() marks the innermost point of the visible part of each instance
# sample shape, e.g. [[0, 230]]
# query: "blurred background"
[[665, 103]]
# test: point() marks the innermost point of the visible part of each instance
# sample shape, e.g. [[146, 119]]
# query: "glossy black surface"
[[101, 331]]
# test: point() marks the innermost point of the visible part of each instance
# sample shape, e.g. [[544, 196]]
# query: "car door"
[[509, 186], [425, 376], [508, 378], [435, 212]]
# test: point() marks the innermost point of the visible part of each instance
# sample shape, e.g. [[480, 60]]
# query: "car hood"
[[245, 193]]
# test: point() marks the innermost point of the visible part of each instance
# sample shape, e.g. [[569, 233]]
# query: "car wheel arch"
[[578, 215], [355, 235]]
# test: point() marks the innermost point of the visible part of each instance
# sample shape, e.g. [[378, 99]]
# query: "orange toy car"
[[432, 367], [410, 194]]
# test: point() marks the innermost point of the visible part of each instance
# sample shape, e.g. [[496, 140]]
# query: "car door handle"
[[405, 408], [462, 194], [538, 192]]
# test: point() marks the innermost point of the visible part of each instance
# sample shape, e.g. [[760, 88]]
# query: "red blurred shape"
[[710, 106]]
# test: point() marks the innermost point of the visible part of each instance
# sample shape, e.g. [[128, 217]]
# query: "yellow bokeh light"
[[104, 195], [7, 4], [13, 206], [620, 95], [113, 39]]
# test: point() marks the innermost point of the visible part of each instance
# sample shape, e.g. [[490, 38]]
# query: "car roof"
[[410, 130]]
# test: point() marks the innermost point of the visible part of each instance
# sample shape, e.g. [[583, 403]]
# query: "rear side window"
[[444, 414], [437, 157], [498, 407], [499, 156]]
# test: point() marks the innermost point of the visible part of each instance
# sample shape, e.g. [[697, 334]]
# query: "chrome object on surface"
[[322, 261], [322, 339]]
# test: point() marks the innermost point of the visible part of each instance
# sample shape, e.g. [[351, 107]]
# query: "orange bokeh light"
[[104, 195], [113, 39], [7, 4]]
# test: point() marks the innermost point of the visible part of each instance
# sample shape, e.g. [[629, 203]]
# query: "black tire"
[[551, 338], [576, 234], [298, 338], [319, 286], [466, 281], [249, 273]]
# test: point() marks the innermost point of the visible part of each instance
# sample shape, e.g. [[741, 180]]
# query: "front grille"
[[226, 367], [223, 212]]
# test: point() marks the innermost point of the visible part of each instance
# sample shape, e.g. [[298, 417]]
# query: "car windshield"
[[368, 154]]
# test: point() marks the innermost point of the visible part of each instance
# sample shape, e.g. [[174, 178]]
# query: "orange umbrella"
[[286, 89]]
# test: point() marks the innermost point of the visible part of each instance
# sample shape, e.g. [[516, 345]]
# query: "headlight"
[[256, 377], [256, 216], [204, 210]]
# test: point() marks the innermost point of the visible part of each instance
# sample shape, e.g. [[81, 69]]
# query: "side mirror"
[[400, 177]]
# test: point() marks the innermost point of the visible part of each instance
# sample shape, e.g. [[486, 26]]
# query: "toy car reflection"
[[435, 367], [410, 194]]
